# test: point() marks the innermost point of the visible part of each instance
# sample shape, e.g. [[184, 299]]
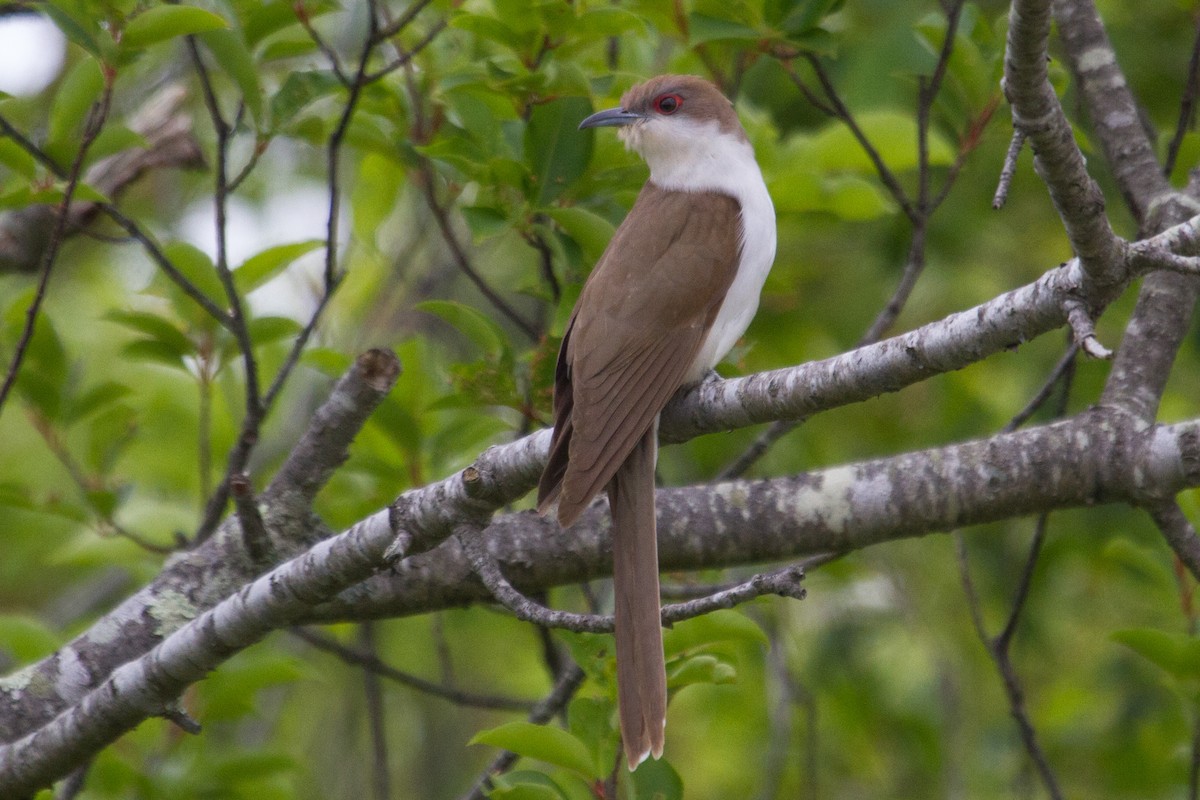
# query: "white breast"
[[741, 302], [699, 157]]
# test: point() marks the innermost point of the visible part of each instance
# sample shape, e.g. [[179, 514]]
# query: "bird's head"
[[677, 123]]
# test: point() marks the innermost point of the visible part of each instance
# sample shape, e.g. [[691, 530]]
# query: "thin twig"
[[405, 58], [372, 662], [785, 582], [254, 533], [1083, 328], [1009, 169], [442, 217], [239, 455], [373, 692], [998, 648], [568, 683], [97, 115], [88, 485], [843, 113], [401, 22], [1187, 105], [1180, 534], [1063, 371]]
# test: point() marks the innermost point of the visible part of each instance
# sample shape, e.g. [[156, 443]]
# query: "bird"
[[674, 290]]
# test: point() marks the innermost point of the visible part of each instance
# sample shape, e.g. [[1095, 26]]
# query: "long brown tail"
[[641, 673]]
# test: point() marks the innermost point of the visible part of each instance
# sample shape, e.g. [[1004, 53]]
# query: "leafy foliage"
[[462, 179]]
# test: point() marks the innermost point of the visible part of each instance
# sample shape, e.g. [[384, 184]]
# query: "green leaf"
[[231, 694], [703, 28], [482, 331], [555, 147], [1176, 653], [543, 742], [327, 361], [373, 197], [155, 327], [655, 779], [79, 89], [590, 231], [243, 766], [198, 268], [266, 18], [13, 156], [26, 639], [264, 330], [152, 351], [719, 626], [298, 90], [484, 221], [261, 267], [526, 785], [95, 399], [113, 139], [601, 22], [854, 198], [487, 26], [229, 49], [701, 669], [160, 23], [892, 133], [73, 21], [807, 15]]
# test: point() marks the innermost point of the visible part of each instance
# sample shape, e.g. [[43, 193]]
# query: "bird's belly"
[[741, 301]]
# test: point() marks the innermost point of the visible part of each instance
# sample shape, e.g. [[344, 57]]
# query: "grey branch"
[[1101, 456], [1039, 117]]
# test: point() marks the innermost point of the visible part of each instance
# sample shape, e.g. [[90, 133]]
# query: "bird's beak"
[[610, 117]]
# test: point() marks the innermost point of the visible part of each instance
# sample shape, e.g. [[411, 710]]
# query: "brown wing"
[[634, 334]]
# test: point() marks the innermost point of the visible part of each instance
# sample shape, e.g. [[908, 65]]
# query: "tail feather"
[[641, 673]]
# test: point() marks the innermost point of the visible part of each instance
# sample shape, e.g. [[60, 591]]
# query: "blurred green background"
[[875, 686]]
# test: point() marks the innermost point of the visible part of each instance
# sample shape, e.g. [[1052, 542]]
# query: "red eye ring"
[[668, 103]]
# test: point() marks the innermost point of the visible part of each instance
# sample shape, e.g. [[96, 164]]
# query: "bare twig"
[[370, 661], [442, 216], [784, 582], [1064, 372], [1083, 328], [406, 57], [373, 691], [1187, 106], [1038, 114], [240, 453], [97, 116], [254, 532], [87, 485], [1009, 169], [998, 648], [1180, 534]]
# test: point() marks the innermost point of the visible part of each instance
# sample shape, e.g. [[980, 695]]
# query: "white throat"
[[689, 156]]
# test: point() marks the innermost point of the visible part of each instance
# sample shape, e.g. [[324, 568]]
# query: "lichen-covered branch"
[[1101, 456], [1039, 117], [200, 578]]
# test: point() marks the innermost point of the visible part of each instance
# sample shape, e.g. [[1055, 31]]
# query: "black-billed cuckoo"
[[676, 288]]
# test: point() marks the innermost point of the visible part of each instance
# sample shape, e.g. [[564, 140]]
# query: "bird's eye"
[[668, 103]]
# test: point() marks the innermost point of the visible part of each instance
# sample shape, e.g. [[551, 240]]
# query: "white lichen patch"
[[833, 495], [18, 681], [1096, 58], [74, 679], [172, 610]]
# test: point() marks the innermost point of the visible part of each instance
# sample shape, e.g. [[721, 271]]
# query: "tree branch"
[[1039, 117]]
